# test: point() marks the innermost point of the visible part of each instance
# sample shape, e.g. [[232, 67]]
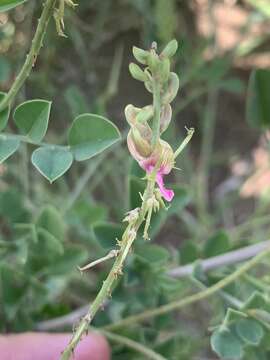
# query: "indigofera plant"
[[153, 154]]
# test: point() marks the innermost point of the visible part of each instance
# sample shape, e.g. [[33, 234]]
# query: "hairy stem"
[[178, 304], [116, 270], [32, 55], [156, 118]]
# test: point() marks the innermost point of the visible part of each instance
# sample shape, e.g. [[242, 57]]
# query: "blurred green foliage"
[[46, 231]]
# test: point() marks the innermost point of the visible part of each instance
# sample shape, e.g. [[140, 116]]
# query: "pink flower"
[[168, 194]]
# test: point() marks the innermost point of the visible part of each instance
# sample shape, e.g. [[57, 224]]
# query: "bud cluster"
[[155, 75]]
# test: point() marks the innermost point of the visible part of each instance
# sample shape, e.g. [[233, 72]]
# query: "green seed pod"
[[140, 55], [136, 72], [164, 70], [145, 114], [170, 49], [172, 89]]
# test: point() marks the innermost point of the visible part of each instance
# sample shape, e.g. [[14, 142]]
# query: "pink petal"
[[168, 194]]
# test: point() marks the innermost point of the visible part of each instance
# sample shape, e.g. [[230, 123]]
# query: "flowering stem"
[[178, 304], [156, 118], [32, 55], [127, 240]]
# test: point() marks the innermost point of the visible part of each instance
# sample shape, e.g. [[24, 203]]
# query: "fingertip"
[[95, 345]]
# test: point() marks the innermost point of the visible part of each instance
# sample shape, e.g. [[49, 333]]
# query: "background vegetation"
[[222, 189]]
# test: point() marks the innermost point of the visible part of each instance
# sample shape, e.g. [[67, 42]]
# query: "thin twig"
[[134, 345], [32, 55], [116, 270], [229, 258], [178, 304]]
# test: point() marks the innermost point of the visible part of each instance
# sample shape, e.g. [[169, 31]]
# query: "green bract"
[[90, 134]]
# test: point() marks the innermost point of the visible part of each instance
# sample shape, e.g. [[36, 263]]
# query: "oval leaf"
[[4, 114], [32, 118], [226, 345], [52, 162], [6, 5], [90, 134], [8, 146], [250, 331]]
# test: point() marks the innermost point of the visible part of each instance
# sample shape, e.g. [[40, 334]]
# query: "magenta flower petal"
[[168, 194]]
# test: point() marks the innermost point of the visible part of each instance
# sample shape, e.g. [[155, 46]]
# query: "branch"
[[229, 258], [178, 304], [32, 55]]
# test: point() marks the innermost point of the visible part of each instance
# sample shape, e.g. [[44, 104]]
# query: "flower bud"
[[153, 61], [170, 49], [145, 114], [138, 147], [130, 113], [149, 87], [172, 89], [136, 72], [165, 117], [164, 70], [166, 157], [140, 55]]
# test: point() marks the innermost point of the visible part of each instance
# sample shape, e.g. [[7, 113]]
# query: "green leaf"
[[250, 331], [32, 118], [8, 146], [226, 344], [258, 99], [6, 5], [152, 254], [51, 220], [233, 315], [257, 300], [4, 114], [107, 233], [51, 161], [217, 244], [49, 242], [90, 134]]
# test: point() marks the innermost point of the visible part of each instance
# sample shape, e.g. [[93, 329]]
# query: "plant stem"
[[156, 118], [32, 55], [116, 270], [148, 353], [178, 304]]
